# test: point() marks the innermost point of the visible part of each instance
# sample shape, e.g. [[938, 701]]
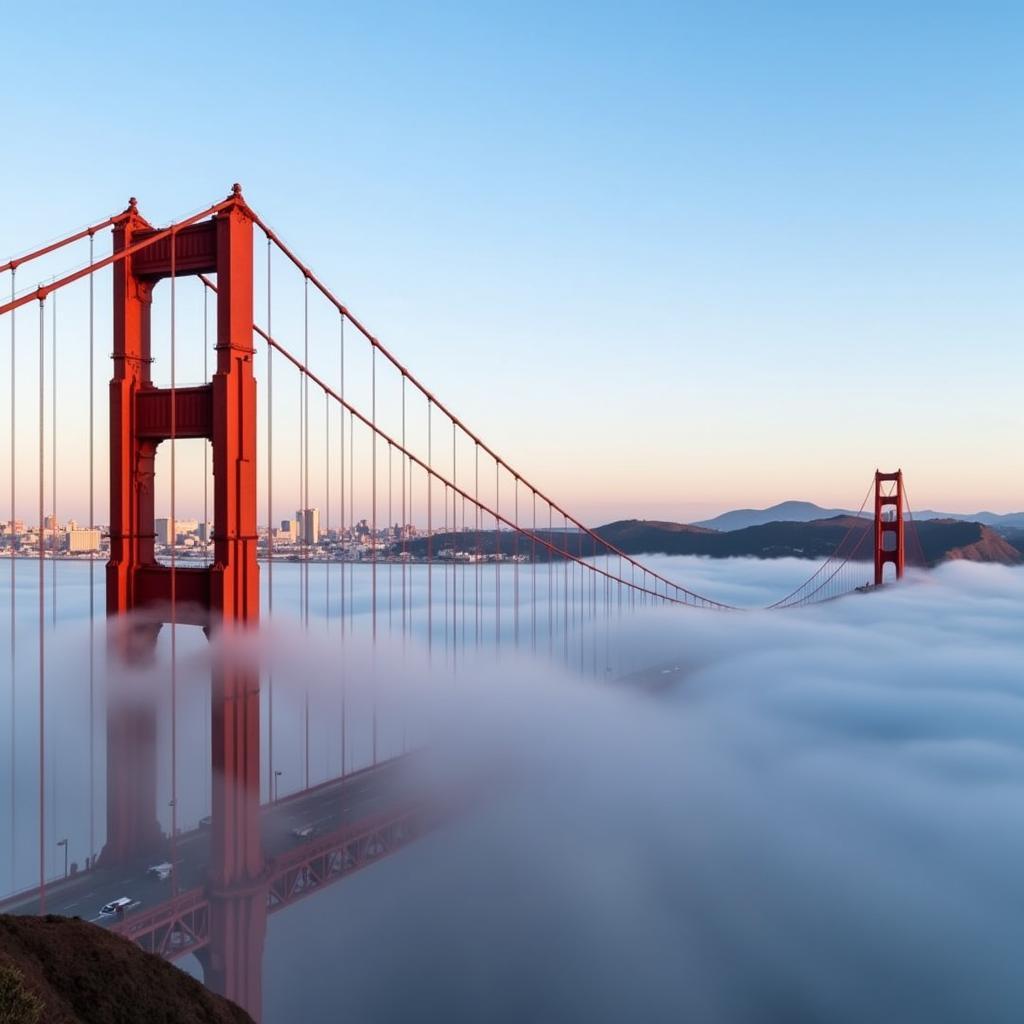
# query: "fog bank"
[[813, 815]]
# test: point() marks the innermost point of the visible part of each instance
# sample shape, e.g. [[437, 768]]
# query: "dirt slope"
[[61, 970]]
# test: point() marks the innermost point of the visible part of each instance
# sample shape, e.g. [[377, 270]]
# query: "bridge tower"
[[889, 523], [219, 597]]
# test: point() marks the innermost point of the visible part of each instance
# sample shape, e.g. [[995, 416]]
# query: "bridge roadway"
[[327, 807]]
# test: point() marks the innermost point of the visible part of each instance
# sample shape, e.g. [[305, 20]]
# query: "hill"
[[62, 970], [941, 540], [1001, 522], [807, 511], [784, 512]]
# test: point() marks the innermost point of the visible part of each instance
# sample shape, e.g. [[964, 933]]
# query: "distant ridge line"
[[807, 511]]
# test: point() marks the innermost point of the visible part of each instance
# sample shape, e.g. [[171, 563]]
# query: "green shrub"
[[18, 1003]]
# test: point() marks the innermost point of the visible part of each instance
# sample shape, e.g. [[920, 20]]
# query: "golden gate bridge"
[[372, 436]]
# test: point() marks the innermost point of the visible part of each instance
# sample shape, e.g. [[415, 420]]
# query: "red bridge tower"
[[222, 595], [889, 523]]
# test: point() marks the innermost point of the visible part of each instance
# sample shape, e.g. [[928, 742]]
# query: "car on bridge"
[[304, 831], [118, 906], [161, 871]]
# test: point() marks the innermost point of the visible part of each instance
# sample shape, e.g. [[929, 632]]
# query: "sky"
[[668, 260]]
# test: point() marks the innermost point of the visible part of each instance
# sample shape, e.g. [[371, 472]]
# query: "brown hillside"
[[61, 970], [990, 547]]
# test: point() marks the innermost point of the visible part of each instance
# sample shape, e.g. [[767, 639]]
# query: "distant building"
[[186, 527], [288, 532], [182, 528], [50, 523], [205, 532], [81, 540], [308, 525]]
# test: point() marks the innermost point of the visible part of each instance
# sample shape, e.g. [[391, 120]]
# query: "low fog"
[[806, 815], [792, 816]]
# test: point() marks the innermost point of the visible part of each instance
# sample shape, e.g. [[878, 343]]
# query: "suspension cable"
[[429, 471], [116, 257], [785, 601], [53, 246], [376, 343]]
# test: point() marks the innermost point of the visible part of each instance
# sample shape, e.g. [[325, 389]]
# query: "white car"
[[119, 905], [304, 831], [161, 871]]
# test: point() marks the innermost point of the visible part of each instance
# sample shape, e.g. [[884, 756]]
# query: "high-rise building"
[[163, 531], [309, 525], [289, 531]]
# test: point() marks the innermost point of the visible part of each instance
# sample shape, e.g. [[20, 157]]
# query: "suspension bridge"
[[456, 546]]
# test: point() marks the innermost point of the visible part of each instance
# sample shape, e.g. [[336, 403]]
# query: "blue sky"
[[667, 258]]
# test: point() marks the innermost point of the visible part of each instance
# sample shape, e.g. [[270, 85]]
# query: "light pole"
[[277, 774], [64, 843]]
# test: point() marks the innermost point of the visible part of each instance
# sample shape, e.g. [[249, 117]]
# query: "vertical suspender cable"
[[341, 476], [388, 533], [476, 509], [551, 580], [565, 589], [444, 527], [42, 600], [453, 540], [53, 528], [53, 460], [373, 525], [206, 443], [270, 527], [405, 517], [327, 467], [373, 528], [463, 574], [10, 527], [497, 554], [174, 567], [306, 517], [533, 584], [373, 498], [410, 503], [515, 563], [351, 509], [306, 514], [430, 529], [92, 562]]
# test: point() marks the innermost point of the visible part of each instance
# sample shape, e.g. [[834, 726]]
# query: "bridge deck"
[[329, 808]]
